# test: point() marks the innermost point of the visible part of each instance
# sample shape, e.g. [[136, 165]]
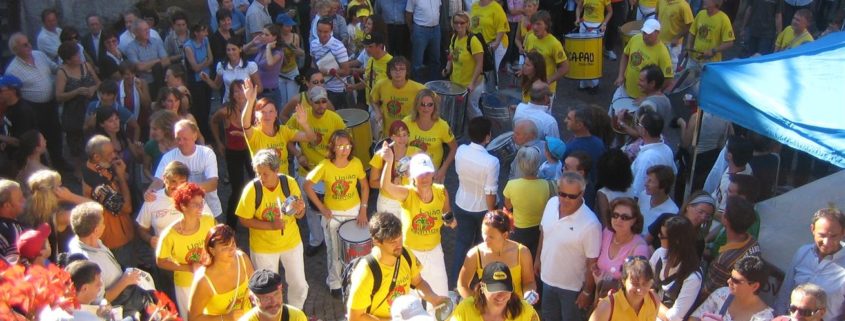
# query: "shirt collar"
[[477, 146]]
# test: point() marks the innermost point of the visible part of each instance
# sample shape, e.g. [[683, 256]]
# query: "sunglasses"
[[633, 258], [322, 101], [621, 216], [802, 312], [343, 147], [427, 104], [569, 196], [494, 217], [318, 82]]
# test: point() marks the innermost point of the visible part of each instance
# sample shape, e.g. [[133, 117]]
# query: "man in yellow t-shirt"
[[642, 50], [675, 18], [368, 300], [265, 289], [797, 33], [393, 98], [273, 232], [548, 46], [376, 68], [712, 34]]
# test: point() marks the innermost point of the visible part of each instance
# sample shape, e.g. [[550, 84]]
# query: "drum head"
[[625, 103], [631, 28], [353, 117], [500, 141], [350, 232], [445, 87], [685, 80], [498, 101], [583, 35]]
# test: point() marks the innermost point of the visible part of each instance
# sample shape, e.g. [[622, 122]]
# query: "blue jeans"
[[467, 235], [425, 42], [756, 44], [559, 304]]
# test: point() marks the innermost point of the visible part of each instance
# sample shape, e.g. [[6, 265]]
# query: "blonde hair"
[[415, 114], [461, 14], [44, 201]]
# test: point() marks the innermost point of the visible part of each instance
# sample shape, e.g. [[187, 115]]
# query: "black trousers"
[[611, 36], [201, 106], [399, 40], [51, 128], [240, 172]]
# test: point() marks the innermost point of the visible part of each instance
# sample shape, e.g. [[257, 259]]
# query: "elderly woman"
[[398, 142], [676, 268], [424, 206], [429, 132], [76, 83], [699, 209], [739, 300], [619, 240], [634, 301], [180, 245], [498, 248], [219, 291], [494, 298], [526, 198]]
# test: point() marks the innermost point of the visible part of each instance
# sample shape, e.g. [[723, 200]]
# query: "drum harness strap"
[[372, 263], [259, 193]]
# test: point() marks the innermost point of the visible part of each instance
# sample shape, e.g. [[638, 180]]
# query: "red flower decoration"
[[164, 309], [25, 292]]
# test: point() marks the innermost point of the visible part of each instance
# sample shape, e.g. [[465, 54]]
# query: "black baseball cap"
[[374, 38], [497, 277]]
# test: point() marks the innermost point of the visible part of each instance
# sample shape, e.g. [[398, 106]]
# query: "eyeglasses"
[[197, 205], [427, 104], [343, 147], [802, 312], [322, 101], [569, 196], [318, 82], [623, 217]]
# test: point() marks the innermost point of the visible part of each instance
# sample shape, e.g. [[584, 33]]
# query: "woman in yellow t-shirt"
[[424, 206], [266, 132], [494, 299], [634, 301], [466, 60], [180, 247], [495, 228], [526, 198], [489, 20], [429, 132], [533, 70], [339, 171], [399, 144], [219, 291]]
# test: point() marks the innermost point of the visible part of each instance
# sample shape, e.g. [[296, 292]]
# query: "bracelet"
[[586, 293], [364, 205]]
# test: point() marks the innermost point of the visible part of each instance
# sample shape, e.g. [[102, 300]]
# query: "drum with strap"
[[584, 52], [355, 241], [503, 148], [358, 123]]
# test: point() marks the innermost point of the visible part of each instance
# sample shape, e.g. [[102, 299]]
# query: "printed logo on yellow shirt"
[[270, 214], [703, 31], [419, 143], [423, 224], [394, 107], [476, 21], [636, 59], [194, 254], [341, 186], [588, 9]]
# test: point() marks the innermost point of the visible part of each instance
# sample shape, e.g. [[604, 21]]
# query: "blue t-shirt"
[[592, 145], [124, 114]]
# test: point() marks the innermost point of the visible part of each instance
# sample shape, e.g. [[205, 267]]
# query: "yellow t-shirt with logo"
[[294, 313], [673, 16], [259, 140], [463, 62], [466, 311], [421, 222], [323, 127], [341, 190], [786, 39], [641, 55], [648, 3], [528, 198], [396, 103], [377, 163], [710, 32], [552, 51], [362, 285], [594, 10], [270, 241], [430, 141], [374, 72], [184, 249], [490, 20]]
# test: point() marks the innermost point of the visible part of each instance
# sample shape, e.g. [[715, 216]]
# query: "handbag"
[[110, 198]]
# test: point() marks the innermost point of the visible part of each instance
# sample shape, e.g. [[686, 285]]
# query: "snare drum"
[[503, 147], [355, 241], [358, 123]]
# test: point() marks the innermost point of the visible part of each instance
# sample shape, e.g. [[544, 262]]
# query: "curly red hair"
[[185, 193]]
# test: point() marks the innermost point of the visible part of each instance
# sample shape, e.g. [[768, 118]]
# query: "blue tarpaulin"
[[796, 97]]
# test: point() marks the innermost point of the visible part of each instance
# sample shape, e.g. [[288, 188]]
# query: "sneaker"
[[610, 55], [313, 250]]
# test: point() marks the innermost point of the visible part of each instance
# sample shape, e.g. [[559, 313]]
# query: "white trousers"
[[474, 106], [388, 205], [589, 27], [333, 262], [312, 217], [183, 300], [434, 269], [294, 264]]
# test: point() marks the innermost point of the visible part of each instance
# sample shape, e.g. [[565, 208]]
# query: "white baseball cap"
[[408, 308], [650, 26], [420, 164]]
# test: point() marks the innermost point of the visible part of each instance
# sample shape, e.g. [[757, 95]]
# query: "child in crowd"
[[552, 167]]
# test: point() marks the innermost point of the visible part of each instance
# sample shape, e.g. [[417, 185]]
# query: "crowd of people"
[[585, 227]]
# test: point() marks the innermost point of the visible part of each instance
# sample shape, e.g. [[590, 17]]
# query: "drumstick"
[[279, 204]]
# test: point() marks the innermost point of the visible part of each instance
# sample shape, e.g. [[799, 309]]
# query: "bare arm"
[[440, 175], [219, 116], [306, 134], [209, 185], [251, 92], [537, 261], [602, 311], [528, 281], [467, 273], [562, 69], [399, 192]]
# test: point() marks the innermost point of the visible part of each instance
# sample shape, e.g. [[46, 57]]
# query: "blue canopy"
[[796, 97]]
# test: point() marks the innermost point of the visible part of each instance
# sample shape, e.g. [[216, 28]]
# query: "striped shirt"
[[336, 48], [10, 230], [203, 166], [37, 79]]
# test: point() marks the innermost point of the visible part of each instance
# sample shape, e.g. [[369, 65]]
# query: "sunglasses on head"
[[633, 258], [802, 312], [623, 217], [569, 196]]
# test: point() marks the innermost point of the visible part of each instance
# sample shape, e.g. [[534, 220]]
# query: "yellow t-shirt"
[[377, 163], [673, 16], [396, 103], [594, 10], [466, 311], [341, 190], [430, 141], [648, 3], [184, 249], [552, 51], [379, 304], [323, 127], [528, 198], [490, 20], [641, 55], [374, 72], [294, 313], [710, 32], [786, 39], [421, 222], [463, 62], [259, 140], [270, 241], [289, 58]]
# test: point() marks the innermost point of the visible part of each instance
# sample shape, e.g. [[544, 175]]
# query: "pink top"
[[515, 4], [635, 247]]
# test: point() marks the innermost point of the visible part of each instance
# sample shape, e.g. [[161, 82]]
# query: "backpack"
[[259, 193], [488, 62], [375, 270]]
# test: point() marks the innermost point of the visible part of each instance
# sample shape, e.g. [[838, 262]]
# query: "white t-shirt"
[[567, 244], [162, 212], [203, 166], [230, 73], [721, 194], [650, 214], [689, 289]]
